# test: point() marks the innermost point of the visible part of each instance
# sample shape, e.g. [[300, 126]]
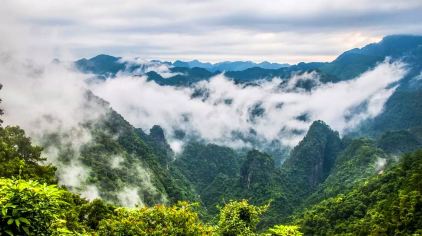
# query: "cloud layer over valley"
[[236, 115]]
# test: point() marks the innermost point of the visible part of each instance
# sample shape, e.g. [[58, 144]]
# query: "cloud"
[[116, 162], [283, 31], [129, 197], [138, 66], [242, 116], [380, 164], [52, 104], [90, 193]]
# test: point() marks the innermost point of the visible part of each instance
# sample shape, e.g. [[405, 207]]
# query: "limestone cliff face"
[[312, 159]]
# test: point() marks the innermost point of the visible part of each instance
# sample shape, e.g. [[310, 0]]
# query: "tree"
[[31, 208], [179, 219], [239, 218], [19, 158], [284, 230]]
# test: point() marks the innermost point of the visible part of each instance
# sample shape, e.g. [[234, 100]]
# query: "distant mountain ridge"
[[348, 65], [229, 65], [108, 65]]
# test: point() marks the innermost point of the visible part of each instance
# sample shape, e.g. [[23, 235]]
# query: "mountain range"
[[363, 181]]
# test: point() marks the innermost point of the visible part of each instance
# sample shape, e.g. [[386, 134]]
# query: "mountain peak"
[[312, 159]]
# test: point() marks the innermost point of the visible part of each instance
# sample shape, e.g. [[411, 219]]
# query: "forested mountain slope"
[[389, 203]]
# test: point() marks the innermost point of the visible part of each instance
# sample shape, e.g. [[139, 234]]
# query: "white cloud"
[[380, 164], [144, 66], [90, 193], [116, 162], [226, 109], [129, 197]]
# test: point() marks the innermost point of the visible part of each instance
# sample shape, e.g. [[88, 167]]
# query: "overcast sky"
[[210, 30]]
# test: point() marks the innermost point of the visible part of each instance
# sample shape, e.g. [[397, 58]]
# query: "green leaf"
[[9, 232], [4, 211], [10, 221], [24, 220], [26, 230], [17, 222]]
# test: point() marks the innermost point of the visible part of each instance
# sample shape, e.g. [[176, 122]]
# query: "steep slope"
[[387, 204], [220, 174], [356, 61], [201, 164], [361, 159], [401, 141], [116, 162], [311, 161]]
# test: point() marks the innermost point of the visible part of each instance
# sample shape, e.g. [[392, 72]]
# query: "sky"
[[284, 31]]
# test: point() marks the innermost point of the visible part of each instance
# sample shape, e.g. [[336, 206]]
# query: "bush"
[[239, 218], [158, 220], [284, 230], [31, 208]]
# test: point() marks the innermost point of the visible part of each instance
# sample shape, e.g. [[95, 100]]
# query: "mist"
[[222, 112]]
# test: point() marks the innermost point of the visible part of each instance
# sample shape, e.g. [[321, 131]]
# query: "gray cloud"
[[283, 31]]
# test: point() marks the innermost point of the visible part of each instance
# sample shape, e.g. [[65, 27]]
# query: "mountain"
[[363, 182], [183, 76], [359, 160], [120, 164], [228, 65], [193, 64], [356, 61], [102, 65], [386, 204], [220, 174], [109, 66], [311, 161], [346, 66]]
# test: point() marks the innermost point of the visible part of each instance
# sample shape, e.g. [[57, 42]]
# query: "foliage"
[[239, 218], [179, 219], [401, 141], [202, 163], [361, 159], [91, 213], [387, 204], [138, 164], [28, 207], [284, 230], [19, 158]]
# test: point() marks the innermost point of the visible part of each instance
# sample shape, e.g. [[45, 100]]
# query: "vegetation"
[[239, 218], [18, 157], [285, 230], [28, 207], [179, 219], [386, 204]]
